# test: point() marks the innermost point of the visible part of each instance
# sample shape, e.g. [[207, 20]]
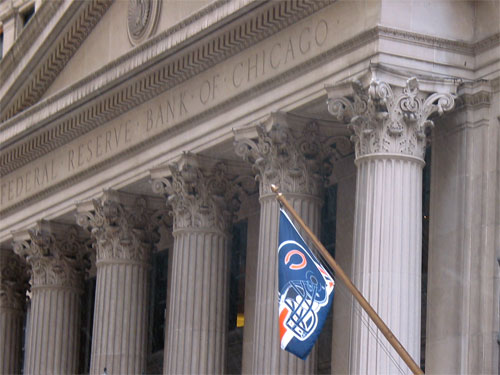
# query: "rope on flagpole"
[[340, 288], [358, 311], [339, 272]]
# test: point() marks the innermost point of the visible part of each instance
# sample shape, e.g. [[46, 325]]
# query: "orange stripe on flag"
[[283, 315]]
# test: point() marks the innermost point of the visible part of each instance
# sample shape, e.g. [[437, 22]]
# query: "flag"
[[305, 291]]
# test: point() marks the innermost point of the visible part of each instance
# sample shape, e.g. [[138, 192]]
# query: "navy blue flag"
[[305, 291]]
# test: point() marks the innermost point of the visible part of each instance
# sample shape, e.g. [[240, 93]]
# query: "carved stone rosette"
[[13, 280], [142, 18], [55, 259], [120, 231], [297, 161], [200, 198], [387, 120]]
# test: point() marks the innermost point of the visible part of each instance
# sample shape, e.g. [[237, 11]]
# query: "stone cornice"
[[98, 80], [467, 48], [175, 68], [62, 132], [71, 125], [28, 73], [285, 76], [25, 41]]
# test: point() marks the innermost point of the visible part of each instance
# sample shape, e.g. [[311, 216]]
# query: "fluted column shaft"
[[119, 337], [268, 357], [296, 157], [12, 296], [121, 226], [387, 259], [57, 259], [198, 305], [202, 197], [11, 331], [389, 125], [54, 334]]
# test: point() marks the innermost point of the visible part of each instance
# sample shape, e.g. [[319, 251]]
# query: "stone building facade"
[[139, 140]]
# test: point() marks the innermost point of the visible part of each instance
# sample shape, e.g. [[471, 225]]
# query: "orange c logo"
[[296, 266]]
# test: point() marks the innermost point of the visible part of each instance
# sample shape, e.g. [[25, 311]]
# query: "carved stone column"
[[57, 259], [13, 283], [389, 135], [463, 285], [296, 159], [202, 201], [121, 227]]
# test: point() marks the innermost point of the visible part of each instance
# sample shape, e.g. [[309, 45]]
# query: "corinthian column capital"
[[295, 156], [387, 119], [55, 253], [13, 280], [121, 225], [202, 194]]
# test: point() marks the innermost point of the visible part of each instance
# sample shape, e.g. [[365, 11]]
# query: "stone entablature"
[[280, 54], [262, 23]]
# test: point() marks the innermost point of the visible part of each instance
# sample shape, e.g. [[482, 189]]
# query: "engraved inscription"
[[221, 83]]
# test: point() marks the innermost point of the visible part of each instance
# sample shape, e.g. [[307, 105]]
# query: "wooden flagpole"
[[339, 273]]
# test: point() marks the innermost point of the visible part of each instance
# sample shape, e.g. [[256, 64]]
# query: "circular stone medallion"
[[142, 18]]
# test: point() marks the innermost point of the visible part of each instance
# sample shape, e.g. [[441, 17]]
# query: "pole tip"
[[274, 188]]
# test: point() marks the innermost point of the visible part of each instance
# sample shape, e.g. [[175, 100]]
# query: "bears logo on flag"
[[305, 292]]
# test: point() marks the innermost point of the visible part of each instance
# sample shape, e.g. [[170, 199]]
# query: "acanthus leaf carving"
[[299, 162], [202, 197], [13, 280], [388, 121], [119, 231], [55, 259]]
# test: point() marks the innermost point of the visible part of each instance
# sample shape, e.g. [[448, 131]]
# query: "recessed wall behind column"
[[462, 309]]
